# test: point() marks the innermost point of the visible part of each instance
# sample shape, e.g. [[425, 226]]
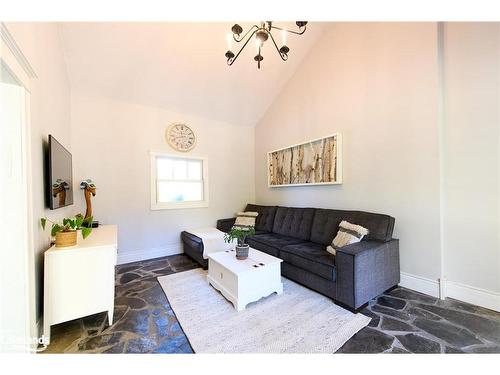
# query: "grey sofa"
[[299, 236]]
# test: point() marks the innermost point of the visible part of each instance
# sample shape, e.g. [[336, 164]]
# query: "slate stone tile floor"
[[403, 321]]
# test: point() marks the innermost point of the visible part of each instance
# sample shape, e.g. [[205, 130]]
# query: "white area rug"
[[298, 321]]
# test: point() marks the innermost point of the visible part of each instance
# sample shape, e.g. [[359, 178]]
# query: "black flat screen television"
[[60, 175]]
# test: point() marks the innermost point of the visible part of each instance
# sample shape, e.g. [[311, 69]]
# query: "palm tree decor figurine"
[[89, 188]]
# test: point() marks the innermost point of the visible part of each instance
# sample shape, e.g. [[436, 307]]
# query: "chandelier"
[[262, 34]]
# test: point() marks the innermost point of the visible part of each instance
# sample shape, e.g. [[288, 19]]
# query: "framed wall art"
[[316, 162]]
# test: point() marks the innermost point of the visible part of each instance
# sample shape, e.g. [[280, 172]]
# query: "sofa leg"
[[391, 288], [361, 308], [351, 309]]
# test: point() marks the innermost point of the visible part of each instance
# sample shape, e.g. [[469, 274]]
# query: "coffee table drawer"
[[224, 278]]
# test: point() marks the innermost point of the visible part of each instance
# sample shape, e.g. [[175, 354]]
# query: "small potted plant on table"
[[66, 232], [240, 234]]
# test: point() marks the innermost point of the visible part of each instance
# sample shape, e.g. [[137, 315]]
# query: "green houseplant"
[[65, 232], [240, 234]]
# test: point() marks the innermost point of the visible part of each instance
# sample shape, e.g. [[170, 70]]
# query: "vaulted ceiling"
[[180, 66]]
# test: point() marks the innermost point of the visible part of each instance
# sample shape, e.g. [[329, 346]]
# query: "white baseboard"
[[470, 294], [452, 289], [420, 284], [144, 254]]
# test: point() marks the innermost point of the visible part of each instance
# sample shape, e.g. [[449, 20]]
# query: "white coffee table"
[[244, 281]]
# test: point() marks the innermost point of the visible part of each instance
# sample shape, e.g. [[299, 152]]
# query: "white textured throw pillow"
[[348, 233], [245, 219]]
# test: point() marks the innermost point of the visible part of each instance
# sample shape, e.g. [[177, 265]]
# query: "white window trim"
[[155, 205]]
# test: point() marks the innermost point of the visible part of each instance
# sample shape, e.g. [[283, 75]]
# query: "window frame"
[[155, 205]]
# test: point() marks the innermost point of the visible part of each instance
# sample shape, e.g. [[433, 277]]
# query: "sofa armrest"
[[360, 247], [365, 270], [225, 224]]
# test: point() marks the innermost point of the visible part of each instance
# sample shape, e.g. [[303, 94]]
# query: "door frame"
[[16, 62]]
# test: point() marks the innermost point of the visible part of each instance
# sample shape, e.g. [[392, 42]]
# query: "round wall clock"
[[180, 137]]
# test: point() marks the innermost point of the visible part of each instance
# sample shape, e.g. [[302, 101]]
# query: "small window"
[[178, 182]]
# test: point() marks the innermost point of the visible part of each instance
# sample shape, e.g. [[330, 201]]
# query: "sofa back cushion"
[[265, 219], [326, 223], [294, 222], [380, 226]]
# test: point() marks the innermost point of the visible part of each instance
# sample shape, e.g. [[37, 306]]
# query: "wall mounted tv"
[[60, 175]]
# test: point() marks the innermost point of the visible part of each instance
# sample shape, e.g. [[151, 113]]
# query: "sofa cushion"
[[310, 257], [294, 222], [380, 226], [266, 248], [326, 223], [275, 240], [271, 243], [265, 219]]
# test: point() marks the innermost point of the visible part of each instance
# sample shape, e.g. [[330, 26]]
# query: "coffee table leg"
[[279, 290], [239, 306]]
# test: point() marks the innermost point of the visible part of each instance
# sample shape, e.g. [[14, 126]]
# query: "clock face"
[[180, 137]]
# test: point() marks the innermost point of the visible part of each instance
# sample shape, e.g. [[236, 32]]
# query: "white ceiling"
[[180, 66]]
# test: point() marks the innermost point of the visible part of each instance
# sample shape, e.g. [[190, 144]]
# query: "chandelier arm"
[[243, 37], [290, 31], [277, 49], [241, 49]]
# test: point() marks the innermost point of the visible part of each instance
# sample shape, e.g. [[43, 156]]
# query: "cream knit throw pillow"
[[348, 233], [244, 220]]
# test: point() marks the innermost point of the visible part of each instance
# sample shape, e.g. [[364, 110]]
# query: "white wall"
[[50, 114], [111, 143], [471, 154], [376, 84], [379, 85]]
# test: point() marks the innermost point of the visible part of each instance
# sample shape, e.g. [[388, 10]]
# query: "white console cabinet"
[[80, 280]]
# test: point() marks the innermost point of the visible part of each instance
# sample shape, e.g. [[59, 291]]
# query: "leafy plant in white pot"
[[240, 235]]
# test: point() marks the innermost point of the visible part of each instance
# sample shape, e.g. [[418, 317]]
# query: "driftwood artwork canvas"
[[312, 163]]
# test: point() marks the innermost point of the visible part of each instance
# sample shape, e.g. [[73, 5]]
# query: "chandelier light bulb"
[[283, 37], [229, 39], [257, 44]]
